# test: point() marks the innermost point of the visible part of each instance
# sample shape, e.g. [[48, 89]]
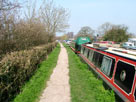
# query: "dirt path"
[[58, 88]]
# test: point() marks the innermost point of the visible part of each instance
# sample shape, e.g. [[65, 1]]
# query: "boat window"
[[124, 76], [99, 62], [106, 65], [85, 52], [90, 55], [95, 57], [82, 49], [112, 67]]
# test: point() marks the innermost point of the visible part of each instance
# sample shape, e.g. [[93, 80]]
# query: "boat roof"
[[82, 40], [134, 39], [117, 51]]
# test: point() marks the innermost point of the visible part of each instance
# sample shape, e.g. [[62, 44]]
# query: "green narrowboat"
[[79, 41]]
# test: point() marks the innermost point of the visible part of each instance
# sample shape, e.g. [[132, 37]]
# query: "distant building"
[[70, 35]]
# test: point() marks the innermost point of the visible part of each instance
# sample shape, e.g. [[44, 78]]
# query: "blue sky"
[[93, 13]]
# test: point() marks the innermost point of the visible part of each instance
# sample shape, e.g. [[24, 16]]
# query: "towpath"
[[58, 88]]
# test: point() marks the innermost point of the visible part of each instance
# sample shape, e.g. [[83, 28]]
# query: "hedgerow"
[[17, 67], [33, 89]]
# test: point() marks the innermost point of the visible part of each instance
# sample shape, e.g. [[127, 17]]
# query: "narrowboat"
[[115, 66], [76, 44]]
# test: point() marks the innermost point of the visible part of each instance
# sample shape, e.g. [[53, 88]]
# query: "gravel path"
[[58, 88]]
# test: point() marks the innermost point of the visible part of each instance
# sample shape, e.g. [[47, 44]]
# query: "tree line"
[[25, 24], [107, 32]]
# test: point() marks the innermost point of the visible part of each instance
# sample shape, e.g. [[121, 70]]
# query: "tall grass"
[[85, 87], [32, 90]]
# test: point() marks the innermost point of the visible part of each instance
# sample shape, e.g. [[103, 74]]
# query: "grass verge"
[[32, 89], [85, 87]]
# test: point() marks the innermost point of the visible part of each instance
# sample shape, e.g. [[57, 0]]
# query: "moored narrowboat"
[[115, 66], [76, 44]]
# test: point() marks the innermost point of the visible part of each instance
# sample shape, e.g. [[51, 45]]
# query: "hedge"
[[17, 67]]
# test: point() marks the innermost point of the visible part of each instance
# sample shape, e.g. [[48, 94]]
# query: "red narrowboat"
[[117, 67]]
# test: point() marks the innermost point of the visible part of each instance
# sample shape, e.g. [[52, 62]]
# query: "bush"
[[17, 67], [31, 91], [38, 25]]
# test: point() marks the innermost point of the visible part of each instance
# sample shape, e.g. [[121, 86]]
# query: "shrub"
[[17, 67], [31, 91]]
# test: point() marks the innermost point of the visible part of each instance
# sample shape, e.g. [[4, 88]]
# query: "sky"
[[94, 13]]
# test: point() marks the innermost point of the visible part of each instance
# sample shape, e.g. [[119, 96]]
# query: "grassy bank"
[[85, 87], [32, 89]]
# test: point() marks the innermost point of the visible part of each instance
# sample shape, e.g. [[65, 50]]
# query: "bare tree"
[[6, 5], [55, 18], [38, 25], [86, 31]]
